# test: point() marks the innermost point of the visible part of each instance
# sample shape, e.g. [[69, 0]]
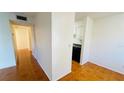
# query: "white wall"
[[107, 47], [62, 39], [85, 50], [43, 42], [7, 57], [53, 43]]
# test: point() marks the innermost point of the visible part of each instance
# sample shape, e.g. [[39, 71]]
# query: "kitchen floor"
[[91, 72]]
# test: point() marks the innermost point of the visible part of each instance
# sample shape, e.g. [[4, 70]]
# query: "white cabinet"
[[78, 32]]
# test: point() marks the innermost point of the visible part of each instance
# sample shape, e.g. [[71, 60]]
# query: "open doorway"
[[78, 43], [22, 39]]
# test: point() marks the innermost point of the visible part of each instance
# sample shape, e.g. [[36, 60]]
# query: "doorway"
[[78, 43], [22, 39]]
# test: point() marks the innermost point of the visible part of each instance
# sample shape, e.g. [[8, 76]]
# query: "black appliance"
[[76, 52]]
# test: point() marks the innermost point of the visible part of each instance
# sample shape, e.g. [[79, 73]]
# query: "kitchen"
[[78, 39]]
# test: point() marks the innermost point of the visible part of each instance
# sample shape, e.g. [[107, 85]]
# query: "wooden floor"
[[27, 69], [91, 72]]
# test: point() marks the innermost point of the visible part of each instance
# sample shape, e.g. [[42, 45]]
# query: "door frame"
[[12, 22], [83, 38]]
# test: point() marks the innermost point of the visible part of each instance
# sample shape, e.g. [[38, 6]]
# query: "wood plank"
[[91, 72], [27, 69]]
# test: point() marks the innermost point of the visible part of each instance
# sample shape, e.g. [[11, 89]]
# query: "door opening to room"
[[22, 38], [78, 43]]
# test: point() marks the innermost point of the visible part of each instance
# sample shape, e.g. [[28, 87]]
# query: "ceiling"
[[81, 15], [94, 15]]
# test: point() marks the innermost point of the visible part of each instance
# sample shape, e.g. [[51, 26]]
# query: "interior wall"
[[53, 43], [62, 39], [107, 47], [85, 50], [7, 55], [43, 42]]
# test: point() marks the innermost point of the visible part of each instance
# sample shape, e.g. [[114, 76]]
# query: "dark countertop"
[[77, 45]]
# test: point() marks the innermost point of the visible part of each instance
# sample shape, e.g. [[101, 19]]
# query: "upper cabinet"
[[78, 32]]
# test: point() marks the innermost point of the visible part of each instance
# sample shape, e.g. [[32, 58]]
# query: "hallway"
[[27, 69]]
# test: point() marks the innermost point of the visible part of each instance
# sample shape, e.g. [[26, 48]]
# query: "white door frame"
[[83, 38]]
